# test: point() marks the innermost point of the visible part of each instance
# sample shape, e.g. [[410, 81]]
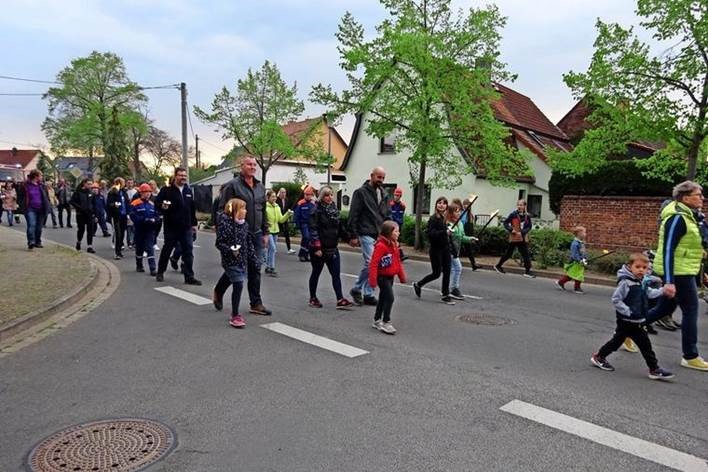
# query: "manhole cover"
[[126, 445], [485, 320]]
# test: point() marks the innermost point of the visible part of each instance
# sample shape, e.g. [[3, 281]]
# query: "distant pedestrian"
[[385, 264], [398, 212], [53, 203], [99, 207], [35, 206], [368, 210], [146, 219], [82, 202], [518, 224], [64, 192], [439, 251], [575, 269], [9, 202], [467, 222], [630, 299], [235, 243], [154, 191], [303, 209], [457, 239], [285, 227], [275, 218], [326, 229], [117, 209]]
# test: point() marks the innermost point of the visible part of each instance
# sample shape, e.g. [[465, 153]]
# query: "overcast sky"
[[209, 44]]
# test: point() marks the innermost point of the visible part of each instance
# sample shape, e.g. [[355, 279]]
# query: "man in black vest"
[[176, 204]]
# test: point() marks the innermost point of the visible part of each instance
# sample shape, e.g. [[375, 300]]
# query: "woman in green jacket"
[[457, 238], [274, 217]]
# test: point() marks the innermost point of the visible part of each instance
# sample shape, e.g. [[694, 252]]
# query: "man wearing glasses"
[[678, 261]]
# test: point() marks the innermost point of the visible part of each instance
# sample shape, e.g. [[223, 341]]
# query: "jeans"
[[35, 219], [455, 272], [130, 235], [385, 303], [10, 217], [182, 237], [52, 213], [272, 249], [687, 298], [84, 224], [362, 283], [60, 209], [636, 332], [440, 259], [333, 266]]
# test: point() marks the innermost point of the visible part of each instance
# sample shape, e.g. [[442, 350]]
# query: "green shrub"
[[608, 264], [549, 247], [493, 241], [408, 231]]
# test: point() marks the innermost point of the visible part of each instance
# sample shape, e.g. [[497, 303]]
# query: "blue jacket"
[[99, 204], [631, 297], [144, 214], [577, 251], [524, 222], [398, 209], [303, 210]]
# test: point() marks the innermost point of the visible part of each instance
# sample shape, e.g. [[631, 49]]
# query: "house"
[[284, 170], [15, 163], [530, 129], [575, 122]]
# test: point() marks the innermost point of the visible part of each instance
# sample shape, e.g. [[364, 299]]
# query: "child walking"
[[439, 252], [275, 216], [236, 248], [457, 238], [630, 299], [385, 263], [575, 269]]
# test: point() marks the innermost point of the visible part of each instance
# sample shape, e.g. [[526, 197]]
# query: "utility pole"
[[183, 94], [329, 154], [196, 151]]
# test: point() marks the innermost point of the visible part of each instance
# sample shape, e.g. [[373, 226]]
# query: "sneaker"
[[676, 324], [192, 281], [291, 251], [601, 363], [78, 246], [344, 304], [260, 310], [159, 277], [106, 235], [579, 291], [660, 374], [629, 346], [139, 269], [696, 363], [237, 321], [315, 303], [456, 294], [416, 289], [153, 273], [370, 300], [651, 330], [117, 257], [529, 275], [90, 250], [173, 263], [30, 247], [356, 296], [666, 324], [499, 269], [268, 270], [39, 246], [388, 328], [378, 324], [273, 273], [217, 301], [559, 285], [447, 299]]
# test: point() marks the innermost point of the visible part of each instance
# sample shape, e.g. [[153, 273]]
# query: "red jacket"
[[385, 261]]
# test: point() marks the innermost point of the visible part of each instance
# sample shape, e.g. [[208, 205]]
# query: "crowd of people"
[[249, 219]]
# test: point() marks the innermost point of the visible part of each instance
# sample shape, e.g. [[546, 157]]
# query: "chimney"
[[13, 151]]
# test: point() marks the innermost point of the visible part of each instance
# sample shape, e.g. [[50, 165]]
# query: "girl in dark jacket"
[[82, 202], [326, 229], [440, 258]]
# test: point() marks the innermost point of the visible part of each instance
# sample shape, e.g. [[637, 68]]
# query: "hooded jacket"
[[82, 202], [385, 261], [631, 297]]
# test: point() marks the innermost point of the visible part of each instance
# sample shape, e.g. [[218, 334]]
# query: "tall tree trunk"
[[696, 141], [419, 205]]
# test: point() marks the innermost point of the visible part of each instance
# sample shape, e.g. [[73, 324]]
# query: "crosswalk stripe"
[[473, 297], [184, 295], [622, 442], [319, 341]]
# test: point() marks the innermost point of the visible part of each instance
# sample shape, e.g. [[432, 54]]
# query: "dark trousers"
[[119, 223], [184, 239], [523, 249], [565, 279], [60, 209], [304, 247], [236, 289], [687, 298], [383, 307], [285, 231], [254, 271], [144, 243], [333, 266], [440, 261], [101, 217], [84, 224], [637, 333]]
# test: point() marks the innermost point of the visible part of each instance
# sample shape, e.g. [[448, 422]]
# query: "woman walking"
[[117, 209], [326, 229], [457, 239], [439, 252], [82, 202], [275, 218], [9, 202]]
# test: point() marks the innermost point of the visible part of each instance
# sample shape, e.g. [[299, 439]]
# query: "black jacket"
[[182, 213], [366, 215], [326, 228], [254, 198], [437, 232], [82, 201], [114, 196]]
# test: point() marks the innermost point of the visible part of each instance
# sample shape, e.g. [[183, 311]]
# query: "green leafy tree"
[[299, 177], [91, 90], [115, 160], [427, 79], [637, 93], [253, 116], [46, 166]]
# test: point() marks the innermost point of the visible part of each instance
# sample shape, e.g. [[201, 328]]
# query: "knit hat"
[[145, 188]]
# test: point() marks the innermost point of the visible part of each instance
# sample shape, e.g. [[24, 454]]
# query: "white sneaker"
[[388, 328], [291, 251], [378, 324]]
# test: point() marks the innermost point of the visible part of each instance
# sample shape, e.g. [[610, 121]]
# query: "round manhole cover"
[[126, 445], [485, 320]]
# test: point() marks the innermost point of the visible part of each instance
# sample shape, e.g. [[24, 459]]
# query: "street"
[[429, 398]]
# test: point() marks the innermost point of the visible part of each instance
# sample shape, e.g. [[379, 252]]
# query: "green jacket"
[[274, 216], [687, 257], [458, 237]]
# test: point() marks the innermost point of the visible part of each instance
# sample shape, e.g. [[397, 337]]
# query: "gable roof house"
[[529, 129], [16, 163]]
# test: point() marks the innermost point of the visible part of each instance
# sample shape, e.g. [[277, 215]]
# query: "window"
[[387, 145], [522, 194], [388, 189], [534, 205], [426, 200]]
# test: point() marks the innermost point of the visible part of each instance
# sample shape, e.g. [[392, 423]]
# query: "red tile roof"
[[518, 111], [23, 156]]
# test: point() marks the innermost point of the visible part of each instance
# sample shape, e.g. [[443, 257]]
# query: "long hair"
[[440, 199], [233, 206]]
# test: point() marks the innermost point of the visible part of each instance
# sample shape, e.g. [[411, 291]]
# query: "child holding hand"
[[384, 265]]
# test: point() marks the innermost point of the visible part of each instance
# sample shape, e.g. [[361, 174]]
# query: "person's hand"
[[474, 239], [354, 242], [669, 290], [318, 253], [584, 261]]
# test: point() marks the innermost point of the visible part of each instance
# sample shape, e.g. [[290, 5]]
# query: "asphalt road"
[[426, 399]]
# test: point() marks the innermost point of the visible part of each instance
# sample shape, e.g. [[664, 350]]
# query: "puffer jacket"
[[229, 233]]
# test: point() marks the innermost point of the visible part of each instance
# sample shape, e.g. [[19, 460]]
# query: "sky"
[[211, 44]]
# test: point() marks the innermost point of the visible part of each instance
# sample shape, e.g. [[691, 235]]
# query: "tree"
[[91, 90], [164, 149], [427, 79], [299, 177], [137, 135], [46, 166], [640, 94], [115, 160], [254, 116]]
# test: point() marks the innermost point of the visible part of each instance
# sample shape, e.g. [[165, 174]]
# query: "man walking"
[[176, 203], [63, 198], [369, 208], [36, 205], [246, 187]]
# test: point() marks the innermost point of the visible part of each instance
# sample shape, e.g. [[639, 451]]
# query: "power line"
[[189, 118], [213, 145], [22, 79]]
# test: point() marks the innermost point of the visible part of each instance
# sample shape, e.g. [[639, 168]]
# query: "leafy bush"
[[608, 264], [549, 247], [408, 231], [493, 241]]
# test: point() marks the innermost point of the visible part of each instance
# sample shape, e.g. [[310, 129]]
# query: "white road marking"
[[473, 297], [315, 340], [622, 442], [184, 295]]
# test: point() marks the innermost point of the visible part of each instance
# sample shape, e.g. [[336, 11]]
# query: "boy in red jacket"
[[384, 265]]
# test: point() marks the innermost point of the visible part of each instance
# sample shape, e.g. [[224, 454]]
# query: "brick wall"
[[624, 223]]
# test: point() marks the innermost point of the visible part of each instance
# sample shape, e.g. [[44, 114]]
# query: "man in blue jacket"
[[146, 220], [303, 210]]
